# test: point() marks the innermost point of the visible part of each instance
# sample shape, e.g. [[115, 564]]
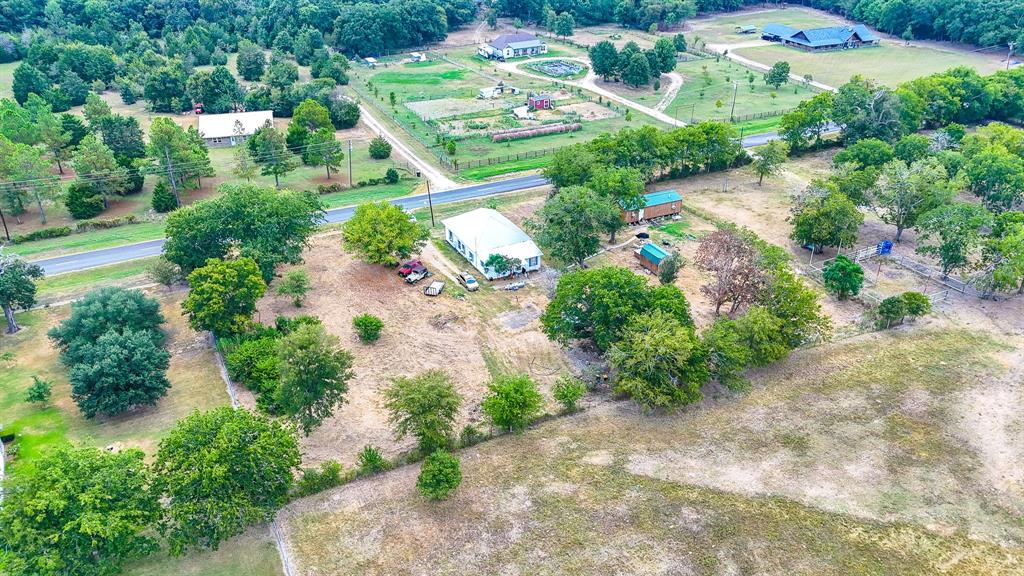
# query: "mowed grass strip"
[[417, 78], [485, 172]]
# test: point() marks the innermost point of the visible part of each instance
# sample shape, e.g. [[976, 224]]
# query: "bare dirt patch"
[[457, 332], [589, 110]]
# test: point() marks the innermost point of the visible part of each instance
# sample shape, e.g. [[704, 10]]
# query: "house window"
[[472, 257], [451, 237], [532, 262]]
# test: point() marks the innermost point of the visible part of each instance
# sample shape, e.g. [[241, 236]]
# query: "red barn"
[[540, 102]]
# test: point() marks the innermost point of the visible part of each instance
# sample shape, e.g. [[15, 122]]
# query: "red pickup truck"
[[407, 268]]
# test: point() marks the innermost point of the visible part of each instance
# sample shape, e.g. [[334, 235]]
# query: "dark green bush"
[[315, 480], [83, 201], [440, 474], [163, 198], [371, 461], [367, 327], [41, 234]]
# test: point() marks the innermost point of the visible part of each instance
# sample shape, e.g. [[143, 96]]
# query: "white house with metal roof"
[[513, 46], [479, 233], [231, 129]]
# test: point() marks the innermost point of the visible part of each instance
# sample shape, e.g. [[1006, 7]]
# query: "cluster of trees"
[[648, 336], [914, 183], [88, 511], [863, 109], [632, 65], [642, 14], [17, 286], [673, 153]]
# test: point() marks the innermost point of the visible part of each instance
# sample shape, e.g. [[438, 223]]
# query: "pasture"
[[721, 28], [890, 64]]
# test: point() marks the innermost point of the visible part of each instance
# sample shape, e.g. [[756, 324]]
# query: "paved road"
[[117, 254]]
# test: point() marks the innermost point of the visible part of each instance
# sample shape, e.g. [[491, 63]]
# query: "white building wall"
[[469, 252]]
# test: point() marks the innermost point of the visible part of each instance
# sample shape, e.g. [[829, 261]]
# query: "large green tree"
[[270, 151], [220, 472], [81, 511], [381, 233], [828, 220], [569, 224], [17, 286], [120, 371], [314, 375], [659, 362], [604, 59], [952, 233], [95, 164], [222, 295], [903, 193], [595, 304], [424, 406], [267, 225], [103, 310]]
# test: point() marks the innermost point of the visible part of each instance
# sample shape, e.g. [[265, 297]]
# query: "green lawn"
[[485, 172], [708, 86], [61, 286], [93, 240], [195, 384], [890, 64]]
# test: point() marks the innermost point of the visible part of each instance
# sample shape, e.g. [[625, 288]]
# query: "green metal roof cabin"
[[655, 205], [650, 256]]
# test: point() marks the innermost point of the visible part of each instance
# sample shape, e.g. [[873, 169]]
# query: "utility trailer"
[[434, 288]]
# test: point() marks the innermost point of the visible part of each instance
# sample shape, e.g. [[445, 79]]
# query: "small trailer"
[[434, 288]]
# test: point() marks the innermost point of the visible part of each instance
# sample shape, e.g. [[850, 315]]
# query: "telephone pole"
[[1009, 55], [6, 231], [349, 162], [735, 88]]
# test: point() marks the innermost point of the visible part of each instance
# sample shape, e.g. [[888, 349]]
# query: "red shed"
[[540, 102]]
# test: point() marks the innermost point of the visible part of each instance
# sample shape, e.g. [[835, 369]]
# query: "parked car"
[[468, 281], [408, 267], [418, 273]]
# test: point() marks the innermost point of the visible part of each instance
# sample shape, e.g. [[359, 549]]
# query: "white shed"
[[479, 233]]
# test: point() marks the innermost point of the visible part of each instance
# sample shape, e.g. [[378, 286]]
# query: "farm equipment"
[[434, 288]]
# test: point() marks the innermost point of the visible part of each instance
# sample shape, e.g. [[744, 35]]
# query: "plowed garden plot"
[[463, 336]]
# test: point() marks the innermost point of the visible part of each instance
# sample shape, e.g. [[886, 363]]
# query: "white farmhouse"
[[482, 232], [231, 129]]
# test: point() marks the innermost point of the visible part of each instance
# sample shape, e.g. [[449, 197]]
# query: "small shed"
[[655, 205], [746, 29], [523, 113], [540, 101], [370, 62], [650, 256], [417, 57]]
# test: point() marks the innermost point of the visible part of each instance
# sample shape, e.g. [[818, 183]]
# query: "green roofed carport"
[[661, 197]]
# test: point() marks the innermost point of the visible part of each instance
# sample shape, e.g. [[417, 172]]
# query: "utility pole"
[[349, 162], [692, 108], [1009, 55], [735, 88], [170, 176], [430, 202], [6, 231]]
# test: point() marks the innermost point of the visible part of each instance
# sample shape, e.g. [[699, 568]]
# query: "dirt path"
[[437, 179], [589, 83], [727, 50], [676, 82]]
